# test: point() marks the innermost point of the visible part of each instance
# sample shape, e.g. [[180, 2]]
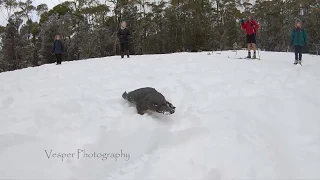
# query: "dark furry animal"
[[149, 99]]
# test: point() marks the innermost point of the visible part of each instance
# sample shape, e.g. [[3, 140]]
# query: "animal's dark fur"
[[149, 99]]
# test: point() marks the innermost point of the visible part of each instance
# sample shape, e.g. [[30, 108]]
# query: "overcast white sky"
[[50, 3]]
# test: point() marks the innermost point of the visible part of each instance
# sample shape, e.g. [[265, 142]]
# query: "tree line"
[[89, 27]]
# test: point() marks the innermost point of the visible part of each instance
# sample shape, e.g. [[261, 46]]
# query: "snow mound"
[[235, 119]]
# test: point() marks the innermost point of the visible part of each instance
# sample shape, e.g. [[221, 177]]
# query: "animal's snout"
[[167, 113]]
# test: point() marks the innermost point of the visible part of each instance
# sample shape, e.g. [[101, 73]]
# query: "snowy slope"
[[240, 119]]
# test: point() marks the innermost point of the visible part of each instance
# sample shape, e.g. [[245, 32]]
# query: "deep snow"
[[235, 118]]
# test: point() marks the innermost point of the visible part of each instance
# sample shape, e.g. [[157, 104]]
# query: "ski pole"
[[235, 47], [255, 37], [257, 45]]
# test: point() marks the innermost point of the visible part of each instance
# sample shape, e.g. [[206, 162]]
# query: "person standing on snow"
[[298, 39], [123, 35], [58, 49], [251, 27]]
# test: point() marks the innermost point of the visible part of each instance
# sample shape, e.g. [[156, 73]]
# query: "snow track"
[[235, 119]]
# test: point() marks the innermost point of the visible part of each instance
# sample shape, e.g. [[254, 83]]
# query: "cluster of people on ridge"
[[298, 39], [123, 35]]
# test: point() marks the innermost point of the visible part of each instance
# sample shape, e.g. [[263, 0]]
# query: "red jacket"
[[250, 27]]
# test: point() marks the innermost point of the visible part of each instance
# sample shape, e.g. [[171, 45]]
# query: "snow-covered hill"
[[235, 119]]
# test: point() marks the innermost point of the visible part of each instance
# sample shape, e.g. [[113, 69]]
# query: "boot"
[[254, 55], [128, 54], [300, 61], [295, 61], [249, 55], [122, 55]]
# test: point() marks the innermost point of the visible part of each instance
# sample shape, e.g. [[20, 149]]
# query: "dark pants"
[[251, 39], [59, 58], [124, 47], [298, 52]]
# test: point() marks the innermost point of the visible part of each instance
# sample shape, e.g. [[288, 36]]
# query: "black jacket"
[[123, 35], [58, 47]]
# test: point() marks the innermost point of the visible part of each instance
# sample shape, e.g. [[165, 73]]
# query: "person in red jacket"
[[251, 26]]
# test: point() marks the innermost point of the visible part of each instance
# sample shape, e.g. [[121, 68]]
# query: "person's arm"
[[256, 26], [53, 47], [243, 24], [292, 37], [305, 36]]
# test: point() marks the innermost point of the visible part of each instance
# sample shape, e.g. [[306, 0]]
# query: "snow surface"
[[235, 119]]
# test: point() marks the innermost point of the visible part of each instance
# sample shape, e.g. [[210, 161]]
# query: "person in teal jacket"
[[299, 40]]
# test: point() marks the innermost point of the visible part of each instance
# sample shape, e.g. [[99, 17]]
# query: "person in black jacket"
[[58, 49], [123, 35]]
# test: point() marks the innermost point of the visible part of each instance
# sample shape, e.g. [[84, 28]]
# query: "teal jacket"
[[298, 37]]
